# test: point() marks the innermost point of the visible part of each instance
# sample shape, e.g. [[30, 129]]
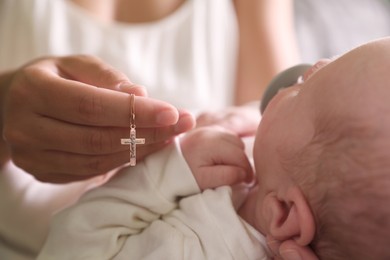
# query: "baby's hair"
[[345, 175], [353, 220]]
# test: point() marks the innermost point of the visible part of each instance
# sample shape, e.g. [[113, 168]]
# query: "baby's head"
[[322, 158]]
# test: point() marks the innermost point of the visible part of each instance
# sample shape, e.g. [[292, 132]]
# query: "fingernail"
[[131, 88], [291, 254], [167, 117], [125, 86], [184, 124]]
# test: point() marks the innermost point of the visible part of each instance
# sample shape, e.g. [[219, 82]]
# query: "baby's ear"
[[289, 217]]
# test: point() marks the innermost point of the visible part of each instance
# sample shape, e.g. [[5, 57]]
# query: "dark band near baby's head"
[[284, 79]]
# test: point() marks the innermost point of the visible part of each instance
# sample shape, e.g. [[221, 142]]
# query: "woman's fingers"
[[50, 134], [55, 151], [60, 167], [78, 103], [97, 73]]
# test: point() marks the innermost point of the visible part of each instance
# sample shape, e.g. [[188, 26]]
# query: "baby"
[[322, 185]]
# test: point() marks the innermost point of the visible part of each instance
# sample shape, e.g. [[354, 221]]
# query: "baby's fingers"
[[221, 175]]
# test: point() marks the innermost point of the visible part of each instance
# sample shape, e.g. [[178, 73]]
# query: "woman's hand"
[[63, 118], [216, 157]]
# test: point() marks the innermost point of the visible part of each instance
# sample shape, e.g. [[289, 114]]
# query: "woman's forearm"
[[267, 45]]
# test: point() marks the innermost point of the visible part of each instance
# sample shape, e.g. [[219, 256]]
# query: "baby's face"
[[355, 88], [286, 125]]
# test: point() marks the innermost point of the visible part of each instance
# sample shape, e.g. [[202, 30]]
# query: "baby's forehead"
[[350, 97], [355, 84]]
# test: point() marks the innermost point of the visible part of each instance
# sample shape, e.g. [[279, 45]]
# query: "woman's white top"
[[187, 59]]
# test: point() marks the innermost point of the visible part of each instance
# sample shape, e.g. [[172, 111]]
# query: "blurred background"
[[332, 27]]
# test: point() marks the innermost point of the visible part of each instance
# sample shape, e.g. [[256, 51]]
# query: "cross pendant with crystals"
[[132, 141]]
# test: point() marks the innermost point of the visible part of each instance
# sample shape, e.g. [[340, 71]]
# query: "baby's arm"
[[100, 223], [216, 157]]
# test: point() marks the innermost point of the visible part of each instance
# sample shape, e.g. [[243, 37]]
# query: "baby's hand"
[[242, 120], [216, 157], [289, 249]]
